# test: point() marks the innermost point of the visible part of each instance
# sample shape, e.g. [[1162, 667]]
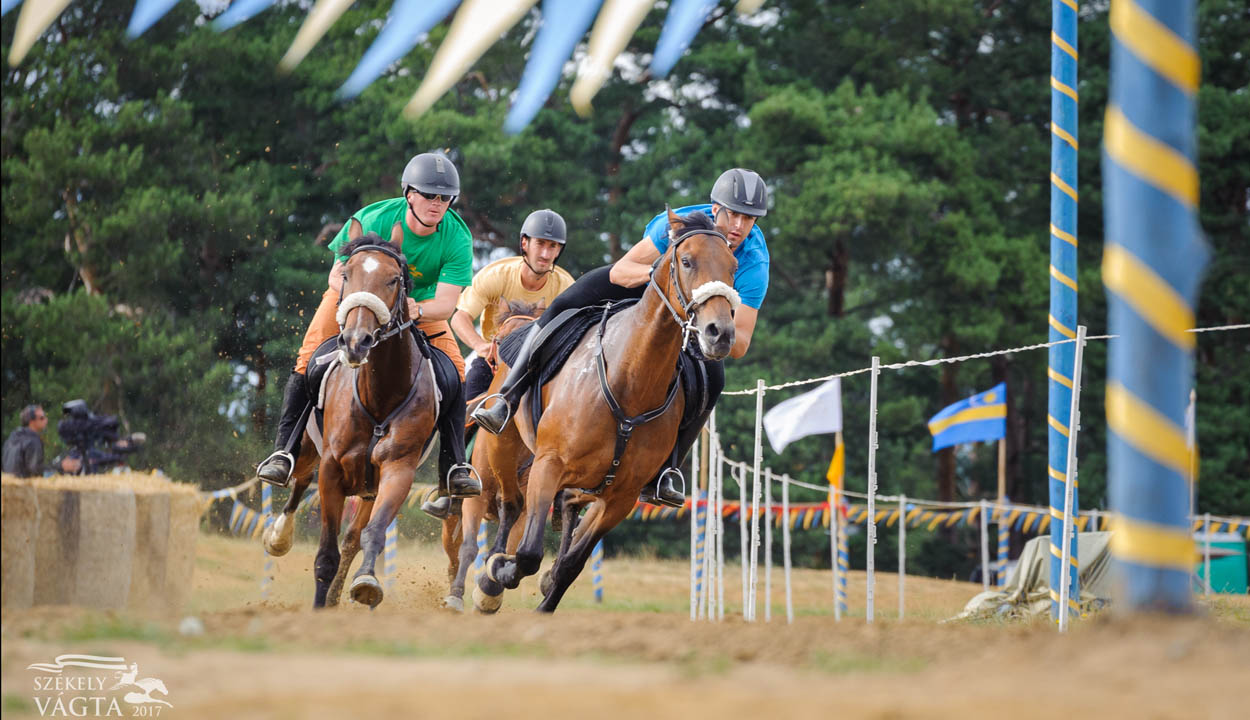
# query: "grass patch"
[[402, 649], [841, 663], [111, 627], [17, 704]]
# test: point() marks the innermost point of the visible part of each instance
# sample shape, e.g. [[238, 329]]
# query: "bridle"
[[700, 295], [389, 323]]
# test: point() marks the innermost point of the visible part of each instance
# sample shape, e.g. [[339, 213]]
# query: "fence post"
[[696, 526], [596, 567], [835, 549], [902, 550], [785, 543], [768, 545], [1071, 578], [1206, 555], [755, 491], [871, 520]]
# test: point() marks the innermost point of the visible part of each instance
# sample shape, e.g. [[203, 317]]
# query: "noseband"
[[701, 294], [388, 318]]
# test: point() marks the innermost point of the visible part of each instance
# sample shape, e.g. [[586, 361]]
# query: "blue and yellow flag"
[[980, 417]]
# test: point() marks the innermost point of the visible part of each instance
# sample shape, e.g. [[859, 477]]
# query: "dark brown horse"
[[631, 362], [460, 531], [379, 418]]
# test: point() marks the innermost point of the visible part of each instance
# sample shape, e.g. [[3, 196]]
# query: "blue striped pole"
[[479, 561], [844, 567], [391, 552], [596, 567], [266, 508], [1063, 288], [1004, 542], [1152, 267]]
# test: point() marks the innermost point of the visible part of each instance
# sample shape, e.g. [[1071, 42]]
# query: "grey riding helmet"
[[431, 173], [741, 191], [546, 224]]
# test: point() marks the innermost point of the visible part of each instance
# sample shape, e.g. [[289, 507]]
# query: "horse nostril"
[[712, 331]]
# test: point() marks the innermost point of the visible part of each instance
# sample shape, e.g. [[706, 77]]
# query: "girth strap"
[[380, 429], [624, 424]]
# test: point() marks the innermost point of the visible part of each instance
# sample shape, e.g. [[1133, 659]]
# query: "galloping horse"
[[380, 412], [611, 415], [460, 531]]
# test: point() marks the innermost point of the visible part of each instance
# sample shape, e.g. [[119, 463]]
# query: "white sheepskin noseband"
[[709, 290], [370, 301]]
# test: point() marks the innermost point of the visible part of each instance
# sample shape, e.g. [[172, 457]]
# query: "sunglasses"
[[436, 197]]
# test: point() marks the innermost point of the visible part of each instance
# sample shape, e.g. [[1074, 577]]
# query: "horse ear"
[[675, 223], [397, 236], [355, 230]]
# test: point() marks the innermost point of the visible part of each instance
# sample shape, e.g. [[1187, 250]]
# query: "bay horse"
[[611, 414], [460, 530], [379, 418]]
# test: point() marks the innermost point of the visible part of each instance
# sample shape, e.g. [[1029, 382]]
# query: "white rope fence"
[[707, 600]]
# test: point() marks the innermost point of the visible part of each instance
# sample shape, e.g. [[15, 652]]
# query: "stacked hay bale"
[[107, 541]]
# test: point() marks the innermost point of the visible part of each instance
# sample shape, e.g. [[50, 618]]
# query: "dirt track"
[[277, 659]]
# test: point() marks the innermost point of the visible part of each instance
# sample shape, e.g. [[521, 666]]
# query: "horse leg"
[[280, 536], [568, 523], [508, 570], [393, 488], [327, 561], [452, 542], [471, 516], [569, 565], [349, 549]]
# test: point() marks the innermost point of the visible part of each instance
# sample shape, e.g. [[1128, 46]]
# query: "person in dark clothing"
[[23, 451]]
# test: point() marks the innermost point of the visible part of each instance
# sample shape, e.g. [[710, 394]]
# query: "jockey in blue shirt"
[[739, 197]]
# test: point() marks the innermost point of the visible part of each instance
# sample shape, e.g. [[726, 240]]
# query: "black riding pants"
[[477, 378], [450, 413]]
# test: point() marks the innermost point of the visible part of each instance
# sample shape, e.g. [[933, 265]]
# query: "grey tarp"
[[1027, 592]]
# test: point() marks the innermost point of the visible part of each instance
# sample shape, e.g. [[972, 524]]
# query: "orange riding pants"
[[324, 326]]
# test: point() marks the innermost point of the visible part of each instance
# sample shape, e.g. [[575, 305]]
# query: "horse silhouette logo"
[[130, 678]]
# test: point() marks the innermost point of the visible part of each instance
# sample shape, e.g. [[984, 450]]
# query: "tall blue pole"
[[1152, 267], [1063, 288]]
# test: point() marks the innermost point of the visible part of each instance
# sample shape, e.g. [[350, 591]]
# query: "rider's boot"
[[663, 489], [276, 469], [457, 478], [495, 418], [438, 507]]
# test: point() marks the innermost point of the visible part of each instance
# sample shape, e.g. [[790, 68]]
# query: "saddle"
[[558, 340]]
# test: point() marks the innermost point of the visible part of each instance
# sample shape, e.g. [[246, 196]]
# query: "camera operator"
[[93, 440], [23, 450]]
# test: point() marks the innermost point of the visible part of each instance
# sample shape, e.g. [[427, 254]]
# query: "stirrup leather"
[[290, 467]]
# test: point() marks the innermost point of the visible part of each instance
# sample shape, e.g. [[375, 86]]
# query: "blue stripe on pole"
[[407, 22], [240, 11], [564, 23], [684, 20], [596, 567], [8, 5], [1063, 298], [1149, 372], [145, 14]]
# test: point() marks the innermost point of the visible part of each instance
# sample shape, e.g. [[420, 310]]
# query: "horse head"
[[512, 314], [373, 304], [697, 285]]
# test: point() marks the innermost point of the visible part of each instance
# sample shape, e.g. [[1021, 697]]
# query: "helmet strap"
[[415, 216]]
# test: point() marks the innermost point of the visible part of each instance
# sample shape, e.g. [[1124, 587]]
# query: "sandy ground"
[[637, 655]]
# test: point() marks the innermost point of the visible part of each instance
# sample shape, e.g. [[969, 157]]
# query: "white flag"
[[812, 413]]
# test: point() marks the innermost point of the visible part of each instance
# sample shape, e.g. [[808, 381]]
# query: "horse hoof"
[[366, 590], [453, 603], [486, 604], [500, 559], [544, 585], [278, 543]]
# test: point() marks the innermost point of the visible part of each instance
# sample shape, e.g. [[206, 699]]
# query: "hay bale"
[[147, 569], [19, 517], [185, 507]]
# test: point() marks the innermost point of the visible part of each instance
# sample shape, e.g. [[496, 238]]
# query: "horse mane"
[[518, 307], [697, 221], [369, 239]]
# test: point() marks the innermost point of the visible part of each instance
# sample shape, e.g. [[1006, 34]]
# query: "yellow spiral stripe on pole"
[[1054, 83], [1063, 429], [1063, 44], [1148, 431], [1156, 45], [1065, 135], [1054, 550], [1066, 188], [1064, 330], [1149, 295], [1152, 545], [1058, 377], [1149, 159], [1054, 272], [1064, 236]]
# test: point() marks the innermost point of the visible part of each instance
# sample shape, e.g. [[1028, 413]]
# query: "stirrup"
[[681, 479], [472, 473], [290, 469], [481, 410]]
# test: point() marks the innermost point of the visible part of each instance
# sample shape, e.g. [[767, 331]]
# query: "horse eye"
[[685, 262], [393, 282]]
